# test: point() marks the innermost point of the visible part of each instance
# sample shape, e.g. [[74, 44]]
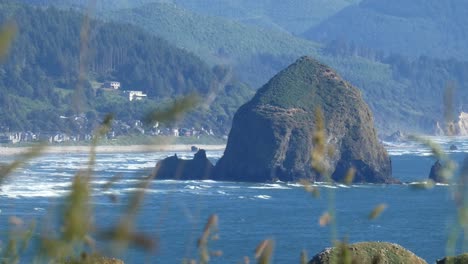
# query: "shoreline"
[[11, 151]]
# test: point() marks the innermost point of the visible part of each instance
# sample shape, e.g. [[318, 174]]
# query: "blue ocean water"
[[174, 212]]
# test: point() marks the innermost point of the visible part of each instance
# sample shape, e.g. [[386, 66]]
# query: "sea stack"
[[198, 168], [436, 173], [272, 135]]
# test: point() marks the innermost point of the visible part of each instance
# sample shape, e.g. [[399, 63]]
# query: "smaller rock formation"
[[436, 173], [453, 147], [397, 136], [194, 148], [460, 259], [198, 168], [368, 253]]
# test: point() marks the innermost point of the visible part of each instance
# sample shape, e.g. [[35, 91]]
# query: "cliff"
[[272, 135], [458, 127]]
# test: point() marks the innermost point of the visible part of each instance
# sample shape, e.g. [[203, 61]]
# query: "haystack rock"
[[272, 135]]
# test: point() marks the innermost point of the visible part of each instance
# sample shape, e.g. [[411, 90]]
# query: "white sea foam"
[[208, 181], [33, 194], [295, 184], [361, 186], [324, 185], [419, 149], [193, 187], [270, 186], [263, 197], [168, 182], [230, 187], [343, 185]]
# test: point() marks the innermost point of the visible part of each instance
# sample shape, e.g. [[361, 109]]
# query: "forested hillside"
[[294, 16], [405, 91], [218, 40], [40, 80], [434, 28], [405, 94]]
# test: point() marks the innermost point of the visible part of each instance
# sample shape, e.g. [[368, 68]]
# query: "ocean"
[[174, 213]]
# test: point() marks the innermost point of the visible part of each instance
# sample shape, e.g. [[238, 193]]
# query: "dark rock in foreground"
[[368, 253], [461, 259], [436, 173], [198, 168], [272, 135]]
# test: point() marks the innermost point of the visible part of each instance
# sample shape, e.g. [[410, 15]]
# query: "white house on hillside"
[[115, 85], [136, 95]]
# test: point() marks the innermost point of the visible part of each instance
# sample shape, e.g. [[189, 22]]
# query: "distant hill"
[[98, 5], [405, 94], [218, 40], [294, 16], [434, 28], [39, 79]]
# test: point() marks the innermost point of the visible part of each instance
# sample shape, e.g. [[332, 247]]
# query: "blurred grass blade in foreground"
[[174, 112], [7, 34], [377, 211], [264, 251], [32, 153]]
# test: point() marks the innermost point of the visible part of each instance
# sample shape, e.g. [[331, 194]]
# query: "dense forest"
[[433, 28], [294, 16], [55, 67], [215, 40]]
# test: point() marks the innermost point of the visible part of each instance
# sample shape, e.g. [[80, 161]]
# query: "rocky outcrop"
[[173, 167], [397, 136], [460, 259], [272, 135], [436, 173], [368, 253], [462, 124], [458, 127]]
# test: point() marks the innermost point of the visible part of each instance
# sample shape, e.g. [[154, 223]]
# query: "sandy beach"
[[8, 151]]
